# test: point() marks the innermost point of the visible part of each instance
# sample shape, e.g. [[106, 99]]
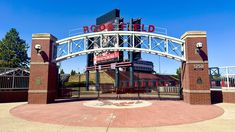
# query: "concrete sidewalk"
[[224, 123]]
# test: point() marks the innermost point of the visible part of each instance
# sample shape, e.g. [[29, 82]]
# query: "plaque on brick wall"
[[199, 80], [198, 66], [38, 81]]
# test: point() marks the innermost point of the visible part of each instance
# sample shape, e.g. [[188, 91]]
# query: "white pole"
[[227, 77]]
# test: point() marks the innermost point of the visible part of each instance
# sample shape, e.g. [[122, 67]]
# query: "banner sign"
[[106, 56]]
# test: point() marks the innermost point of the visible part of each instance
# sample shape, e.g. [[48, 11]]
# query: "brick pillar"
[[195, 77], [43, 72]]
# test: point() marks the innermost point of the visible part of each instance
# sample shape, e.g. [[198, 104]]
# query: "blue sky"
[[217, 17]]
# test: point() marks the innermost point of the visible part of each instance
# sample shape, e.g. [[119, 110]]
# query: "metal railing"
[[14, 79], [227, 76], [222, 77]]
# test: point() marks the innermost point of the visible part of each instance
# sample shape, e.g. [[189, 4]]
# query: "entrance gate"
[[143, 89], [191, 50]]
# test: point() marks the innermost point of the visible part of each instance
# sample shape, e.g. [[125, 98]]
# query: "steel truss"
[[98, 42]]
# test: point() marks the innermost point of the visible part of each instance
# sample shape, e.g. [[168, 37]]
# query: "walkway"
[[223, 123]]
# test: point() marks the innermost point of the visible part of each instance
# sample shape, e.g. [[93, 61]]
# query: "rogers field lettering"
[[122, 27]]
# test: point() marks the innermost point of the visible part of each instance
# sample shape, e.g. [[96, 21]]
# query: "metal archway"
[[151, 43]]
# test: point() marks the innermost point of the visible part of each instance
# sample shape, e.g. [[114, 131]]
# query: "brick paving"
[[160, 113]]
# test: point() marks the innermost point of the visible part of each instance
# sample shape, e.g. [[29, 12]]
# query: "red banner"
[[107, 56]]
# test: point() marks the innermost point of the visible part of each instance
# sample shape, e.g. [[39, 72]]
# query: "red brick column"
[[43, 72], [195, 77]]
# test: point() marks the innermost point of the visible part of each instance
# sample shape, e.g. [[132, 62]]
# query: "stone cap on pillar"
[[193, 34], [44, 36]]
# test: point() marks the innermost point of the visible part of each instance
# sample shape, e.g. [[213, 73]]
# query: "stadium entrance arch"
[[104, 44], [191, 50]]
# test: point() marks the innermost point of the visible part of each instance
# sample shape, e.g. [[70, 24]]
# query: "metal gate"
[[143, 89], [75, 90], [149, 89]]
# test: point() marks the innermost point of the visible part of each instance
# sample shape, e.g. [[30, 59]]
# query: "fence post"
[[13, 80]]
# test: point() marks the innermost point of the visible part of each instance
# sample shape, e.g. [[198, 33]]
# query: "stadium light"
[[38, 48]]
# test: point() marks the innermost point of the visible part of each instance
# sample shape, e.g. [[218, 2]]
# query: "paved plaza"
[[113, 116]]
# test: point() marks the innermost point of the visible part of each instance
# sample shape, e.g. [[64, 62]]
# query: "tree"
[[178, 73], [73, 72], [61, 71], [13, 51]]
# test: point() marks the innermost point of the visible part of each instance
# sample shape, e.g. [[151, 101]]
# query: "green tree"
[[73, 72], [178, 73], [61, 71], [13, 50]]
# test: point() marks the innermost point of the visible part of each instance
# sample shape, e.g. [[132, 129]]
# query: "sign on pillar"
[[195, 77], [43, 72]]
